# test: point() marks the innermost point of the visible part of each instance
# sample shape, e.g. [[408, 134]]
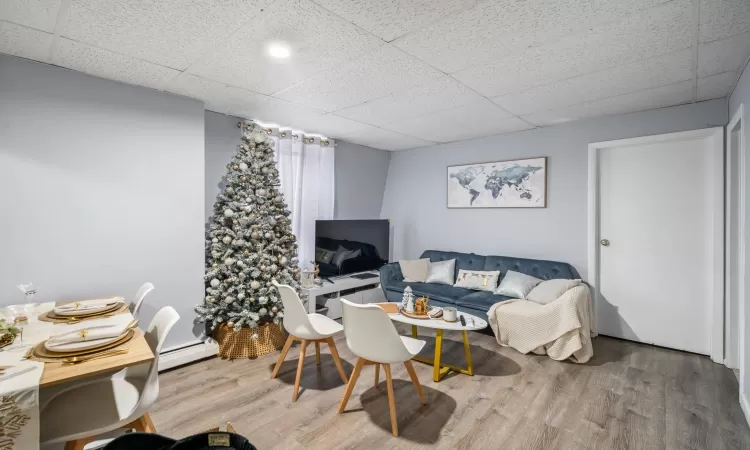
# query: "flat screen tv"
[[345, 247]]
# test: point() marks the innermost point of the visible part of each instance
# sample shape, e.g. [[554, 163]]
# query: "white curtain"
[[306, 169]]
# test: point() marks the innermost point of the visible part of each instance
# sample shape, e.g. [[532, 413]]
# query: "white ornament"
[[228, 212], [260, 192], [230, 324], [229, 300], [262, 311], [283, 260], [275, 309], [243, 166], [227, 240], [254, 285], [241, 296], [251, 299], [269, 235], [229, 261], [215, 283]]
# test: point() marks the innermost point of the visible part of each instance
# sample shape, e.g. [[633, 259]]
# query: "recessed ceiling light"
[[278, 51]]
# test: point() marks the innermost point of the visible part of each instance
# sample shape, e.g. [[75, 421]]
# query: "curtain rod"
[[323, 142]]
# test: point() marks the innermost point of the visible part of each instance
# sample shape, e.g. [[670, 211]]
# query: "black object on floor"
[[364, 276], [203, 441]]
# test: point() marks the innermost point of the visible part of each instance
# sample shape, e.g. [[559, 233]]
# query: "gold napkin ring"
[[83, 333]]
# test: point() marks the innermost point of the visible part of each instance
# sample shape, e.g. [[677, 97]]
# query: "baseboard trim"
[[745, 404], [185, 355]]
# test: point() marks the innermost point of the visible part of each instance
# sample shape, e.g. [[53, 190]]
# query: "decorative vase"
[[248, 342]]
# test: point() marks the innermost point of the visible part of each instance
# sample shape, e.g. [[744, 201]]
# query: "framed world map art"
[[521, 183]]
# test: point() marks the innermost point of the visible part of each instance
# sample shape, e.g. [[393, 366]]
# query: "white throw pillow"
[[477, 279], [551, 290], [442, 272], [516, 284], [415, 270]]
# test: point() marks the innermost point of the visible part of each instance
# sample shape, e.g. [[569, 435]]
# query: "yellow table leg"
[[439, 369]]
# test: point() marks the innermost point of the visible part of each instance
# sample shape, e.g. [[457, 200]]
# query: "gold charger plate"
[[41, 352], [51, 314]]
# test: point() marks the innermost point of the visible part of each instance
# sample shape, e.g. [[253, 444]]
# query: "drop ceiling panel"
[[376, 74], [723, 18], [438, 94], [330, 125], [215, 95], [384, 139], [25, 42], [660, 71], [481, 118], [37, 14], [716, 86], [723, 55], [243, 59], [389, 19], [660, 97], [105, 64], [498, 29], [270, 110], [661, 30], [173, 33]]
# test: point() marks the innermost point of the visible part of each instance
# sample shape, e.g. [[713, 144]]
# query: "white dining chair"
[[371, 336], [84, 411], [305, 328], [138, 299]]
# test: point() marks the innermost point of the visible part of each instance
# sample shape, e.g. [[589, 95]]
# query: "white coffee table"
[[439, 370]]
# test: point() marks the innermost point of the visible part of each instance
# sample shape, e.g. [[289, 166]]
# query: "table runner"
[[19, 395]]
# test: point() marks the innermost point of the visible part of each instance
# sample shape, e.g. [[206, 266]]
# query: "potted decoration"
[[249, 243]]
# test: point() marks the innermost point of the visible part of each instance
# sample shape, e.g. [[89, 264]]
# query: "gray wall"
[[360, 181], [102, 190], [415, 194], [222, 139]]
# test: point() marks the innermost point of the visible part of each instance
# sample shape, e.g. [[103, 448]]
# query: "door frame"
[[715, 173], [737, 120]]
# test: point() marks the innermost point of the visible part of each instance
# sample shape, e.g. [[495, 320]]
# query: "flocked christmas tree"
[[249, 241]]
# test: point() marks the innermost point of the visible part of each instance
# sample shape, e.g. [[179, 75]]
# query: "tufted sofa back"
[[539, 268]]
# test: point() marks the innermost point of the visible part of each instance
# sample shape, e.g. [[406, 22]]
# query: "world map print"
[[503, 184]]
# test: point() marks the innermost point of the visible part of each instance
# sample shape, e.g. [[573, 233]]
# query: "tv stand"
[[325, 299], [365, 276]]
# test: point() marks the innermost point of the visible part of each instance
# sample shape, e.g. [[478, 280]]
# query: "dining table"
[[25, 380]]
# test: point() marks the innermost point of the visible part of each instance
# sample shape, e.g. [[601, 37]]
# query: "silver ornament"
[[260, 192]]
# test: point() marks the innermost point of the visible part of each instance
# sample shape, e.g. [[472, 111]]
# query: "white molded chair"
[[80, 413], [305, 328], [371, 336], [138, 299]]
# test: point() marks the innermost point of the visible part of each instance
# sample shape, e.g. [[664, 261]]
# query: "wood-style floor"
[[629, 396]]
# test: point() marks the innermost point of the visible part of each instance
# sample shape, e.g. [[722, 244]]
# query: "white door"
[[656, 231]]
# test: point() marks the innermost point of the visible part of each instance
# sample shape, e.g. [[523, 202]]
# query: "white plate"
[[78, 312], [83, 345]]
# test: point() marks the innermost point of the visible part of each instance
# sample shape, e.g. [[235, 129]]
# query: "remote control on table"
[[463, 321]]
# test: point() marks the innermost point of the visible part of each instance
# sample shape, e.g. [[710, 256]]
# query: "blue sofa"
[[466, 300]]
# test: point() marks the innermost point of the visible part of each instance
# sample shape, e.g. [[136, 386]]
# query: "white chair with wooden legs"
[[371, 336], [135, 305], [305, 328], [77, 415]]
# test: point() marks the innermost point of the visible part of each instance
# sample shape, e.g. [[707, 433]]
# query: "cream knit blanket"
[[560, 329]]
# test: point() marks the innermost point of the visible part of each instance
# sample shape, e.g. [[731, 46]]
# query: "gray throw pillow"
[[343, 254], [516, 285], [415, 270], [550, 290], [442, 272]]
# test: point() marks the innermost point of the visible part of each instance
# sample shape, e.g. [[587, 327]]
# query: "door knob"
[[604, 242]]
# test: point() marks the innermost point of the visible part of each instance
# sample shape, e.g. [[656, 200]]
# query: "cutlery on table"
[[81, 359], [74, 319]]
